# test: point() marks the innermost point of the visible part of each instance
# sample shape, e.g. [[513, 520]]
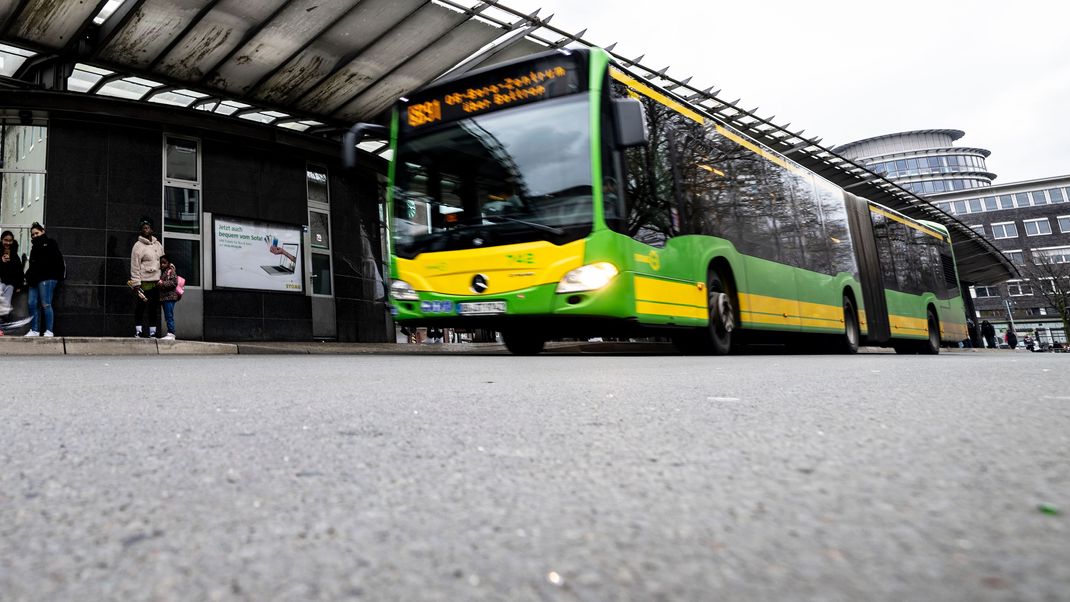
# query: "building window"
[[1021, 199], [319, 228], [1017, 288], [1055, 254], [990, 203], [975, 205], [960, 207], [1039, 198], [1015, 257], [1037, 227], [985, 291], [23, 163], [182, 206], [1004, 230], [1056, 195], [979, 228], [1006, 201], [1064, 224]]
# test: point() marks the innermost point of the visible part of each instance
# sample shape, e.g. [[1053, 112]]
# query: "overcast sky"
[[1000, 71]]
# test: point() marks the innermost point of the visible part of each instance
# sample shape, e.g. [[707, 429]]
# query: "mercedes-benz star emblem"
[[479, 283]]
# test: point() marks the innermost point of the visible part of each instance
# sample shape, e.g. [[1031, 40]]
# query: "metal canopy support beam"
[[13, 17], [345, 60], [515, 34], [249, 35], [80, 36], [115, 23], [473, 11], [255, 87], [194, 22]]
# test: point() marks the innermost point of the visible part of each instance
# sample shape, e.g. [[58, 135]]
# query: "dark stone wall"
[[103, 177], [101, 181], [255, 184], [356, 246]]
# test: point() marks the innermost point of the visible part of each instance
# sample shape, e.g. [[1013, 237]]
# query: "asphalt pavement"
[[567, 476]]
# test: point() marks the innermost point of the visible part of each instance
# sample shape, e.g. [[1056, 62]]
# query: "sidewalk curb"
[[14, 346]]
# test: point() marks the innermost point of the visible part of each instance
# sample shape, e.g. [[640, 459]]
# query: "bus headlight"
[[403, 291], [588, 278]]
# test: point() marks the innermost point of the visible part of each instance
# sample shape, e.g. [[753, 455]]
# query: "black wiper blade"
[[533, 225]]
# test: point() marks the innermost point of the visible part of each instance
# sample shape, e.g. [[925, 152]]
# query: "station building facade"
[[1028, 221], [91, 167], [923, 161]]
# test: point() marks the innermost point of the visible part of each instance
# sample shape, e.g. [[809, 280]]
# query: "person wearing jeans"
[[168, 288], [45, 271]]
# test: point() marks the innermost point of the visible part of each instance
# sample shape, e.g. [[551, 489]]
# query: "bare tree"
[[1050, 275]]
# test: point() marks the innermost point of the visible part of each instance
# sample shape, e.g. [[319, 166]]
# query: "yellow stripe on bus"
[[908, 325], [907, 223], [680, 108], [665, 298], [638, 86], [674, 311]]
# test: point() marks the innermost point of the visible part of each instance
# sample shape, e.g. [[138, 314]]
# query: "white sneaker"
[[32, 333], [169, 336], [48, 333]]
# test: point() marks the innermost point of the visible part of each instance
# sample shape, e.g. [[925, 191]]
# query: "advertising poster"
[[258, 255]]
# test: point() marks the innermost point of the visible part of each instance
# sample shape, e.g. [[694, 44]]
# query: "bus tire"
[[852, 334], [523, 342], [931, 346], [721, 306]]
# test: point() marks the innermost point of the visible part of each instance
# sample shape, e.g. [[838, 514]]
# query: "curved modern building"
[[923, 161]]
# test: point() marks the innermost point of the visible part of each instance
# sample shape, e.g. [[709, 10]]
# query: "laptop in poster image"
[[285, 265]]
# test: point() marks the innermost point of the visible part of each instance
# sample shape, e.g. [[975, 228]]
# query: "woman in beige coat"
[[144, 273]]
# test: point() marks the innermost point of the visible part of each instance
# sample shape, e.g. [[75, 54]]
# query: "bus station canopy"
[[316, 66]]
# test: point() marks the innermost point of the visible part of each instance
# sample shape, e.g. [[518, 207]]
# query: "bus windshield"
[[517, 175]]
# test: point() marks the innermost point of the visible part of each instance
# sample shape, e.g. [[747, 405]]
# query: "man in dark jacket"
[[989, 333], [45, 271]]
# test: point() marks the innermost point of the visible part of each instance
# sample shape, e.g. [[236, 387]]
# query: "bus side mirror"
[[355, 136], [631, 122]]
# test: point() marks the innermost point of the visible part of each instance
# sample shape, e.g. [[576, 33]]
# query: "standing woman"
[[45, 271], [11, 278], [144, 273]]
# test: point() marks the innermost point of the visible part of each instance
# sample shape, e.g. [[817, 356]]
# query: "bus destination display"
[[499, 89]]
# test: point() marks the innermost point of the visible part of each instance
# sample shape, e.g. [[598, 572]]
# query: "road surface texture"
[[558, 477]]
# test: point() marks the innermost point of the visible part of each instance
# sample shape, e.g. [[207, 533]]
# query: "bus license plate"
[[481, 307]]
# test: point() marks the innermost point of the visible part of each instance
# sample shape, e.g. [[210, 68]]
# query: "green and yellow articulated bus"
[[561, 196]]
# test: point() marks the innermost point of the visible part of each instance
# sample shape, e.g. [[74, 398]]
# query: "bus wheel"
[[722, 314], [852, 333], [522, 342], [932, 346]]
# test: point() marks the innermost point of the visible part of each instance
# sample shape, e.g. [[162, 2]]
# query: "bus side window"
[[648, 181], [884, 249], [614, 202]]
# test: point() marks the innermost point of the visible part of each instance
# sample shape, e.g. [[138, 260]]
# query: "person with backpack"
[[170, 286], [45, 271], [144, 273]]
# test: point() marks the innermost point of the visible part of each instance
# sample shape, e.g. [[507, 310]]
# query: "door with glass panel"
[[320, 272]]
